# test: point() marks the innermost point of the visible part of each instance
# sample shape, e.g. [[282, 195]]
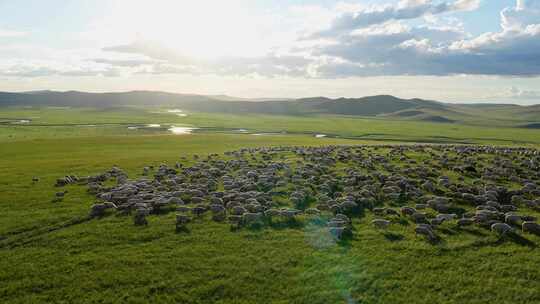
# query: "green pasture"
[[53, 253]]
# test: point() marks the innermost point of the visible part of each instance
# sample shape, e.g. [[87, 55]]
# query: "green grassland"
[[52, 253], [59, 122]]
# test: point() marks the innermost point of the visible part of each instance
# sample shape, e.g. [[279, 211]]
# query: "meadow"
[[50, 122], [52, 252]]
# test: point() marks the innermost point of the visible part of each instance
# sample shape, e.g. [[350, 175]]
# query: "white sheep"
[[501, 228], [380, 223]]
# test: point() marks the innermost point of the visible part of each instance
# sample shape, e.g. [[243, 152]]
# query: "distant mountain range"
[[386, 106]]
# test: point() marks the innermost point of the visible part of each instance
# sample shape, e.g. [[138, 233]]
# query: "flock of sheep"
[[428, 185]]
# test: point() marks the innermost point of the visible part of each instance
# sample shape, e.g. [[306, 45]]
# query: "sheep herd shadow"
[[393, 237], [27, 236], [316, 225]]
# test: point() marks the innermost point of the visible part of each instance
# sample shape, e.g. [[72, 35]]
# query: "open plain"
[[251, 209]]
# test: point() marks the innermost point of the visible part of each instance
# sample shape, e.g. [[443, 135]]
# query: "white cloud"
[[523, 14], [466, 5], [404, 10], [518, 93], [357, 41], [33, 70], [514, 51], [10, 34]]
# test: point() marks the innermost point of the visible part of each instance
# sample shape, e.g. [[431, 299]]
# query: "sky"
[[447, 50]]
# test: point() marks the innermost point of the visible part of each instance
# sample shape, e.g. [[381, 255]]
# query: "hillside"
[[367, 106], [385, 106]]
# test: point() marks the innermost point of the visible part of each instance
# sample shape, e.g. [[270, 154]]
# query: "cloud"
[[375, 42], [407, 38], [10, 34], [404, 10], [151, 49], [514, 51], [465, 5], [168, 69], [40, 69], [518, 93], [525, 12], [170, 61], [124, 62]]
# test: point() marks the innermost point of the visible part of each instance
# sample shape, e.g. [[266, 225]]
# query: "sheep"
[[407, 210], [197, 200], [271, 213], [238, 210], [181, 221], [390, 211], [251, 218], [215, 208], [348, 205], [447, 217], [312, 211], [110, 205], [335, 208], [219, 217], [379, 211], [420, 206], [336, 223], [513, 219], [235, 219], [507, 208], [176, 201], [529, 218], [428, 186], [419, 217], [217, 201], [183, 209], [140, 217], [254, 207], [289, 213], [426, 231], [198, 210], [380, 223], [337, 232], [531, 227], [465, 222], [242, 180], [501, 228], [436, 221], [97, 210], [342, 217]]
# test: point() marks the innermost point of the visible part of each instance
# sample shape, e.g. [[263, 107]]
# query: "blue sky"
[[450, 50]]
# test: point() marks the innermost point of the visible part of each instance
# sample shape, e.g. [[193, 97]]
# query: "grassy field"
[[51, 252], [59, 122]]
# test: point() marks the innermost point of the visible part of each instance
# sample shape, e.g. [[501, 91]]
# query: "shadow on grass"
[[403, 222], [437, 241], [447, 231], [518, 239], [288, 224], [269, 224], [182, 229], [26, 238], [489, 241], [393, 237], [346, 239], [474, 232]]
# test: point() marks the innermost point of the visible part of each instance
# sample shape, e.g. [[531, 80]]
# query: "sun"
[[202, 29]]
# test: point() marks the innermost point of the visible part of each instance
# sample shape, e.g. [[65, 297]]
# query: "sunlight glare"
[[202, 29]]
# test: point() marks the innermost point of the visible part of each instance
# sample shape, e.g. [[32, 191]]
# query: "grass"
[[51, 253], [57, 122]]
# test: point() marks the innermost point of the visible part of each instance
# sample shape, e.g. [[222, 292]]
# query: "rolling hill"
[[384, 106]]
